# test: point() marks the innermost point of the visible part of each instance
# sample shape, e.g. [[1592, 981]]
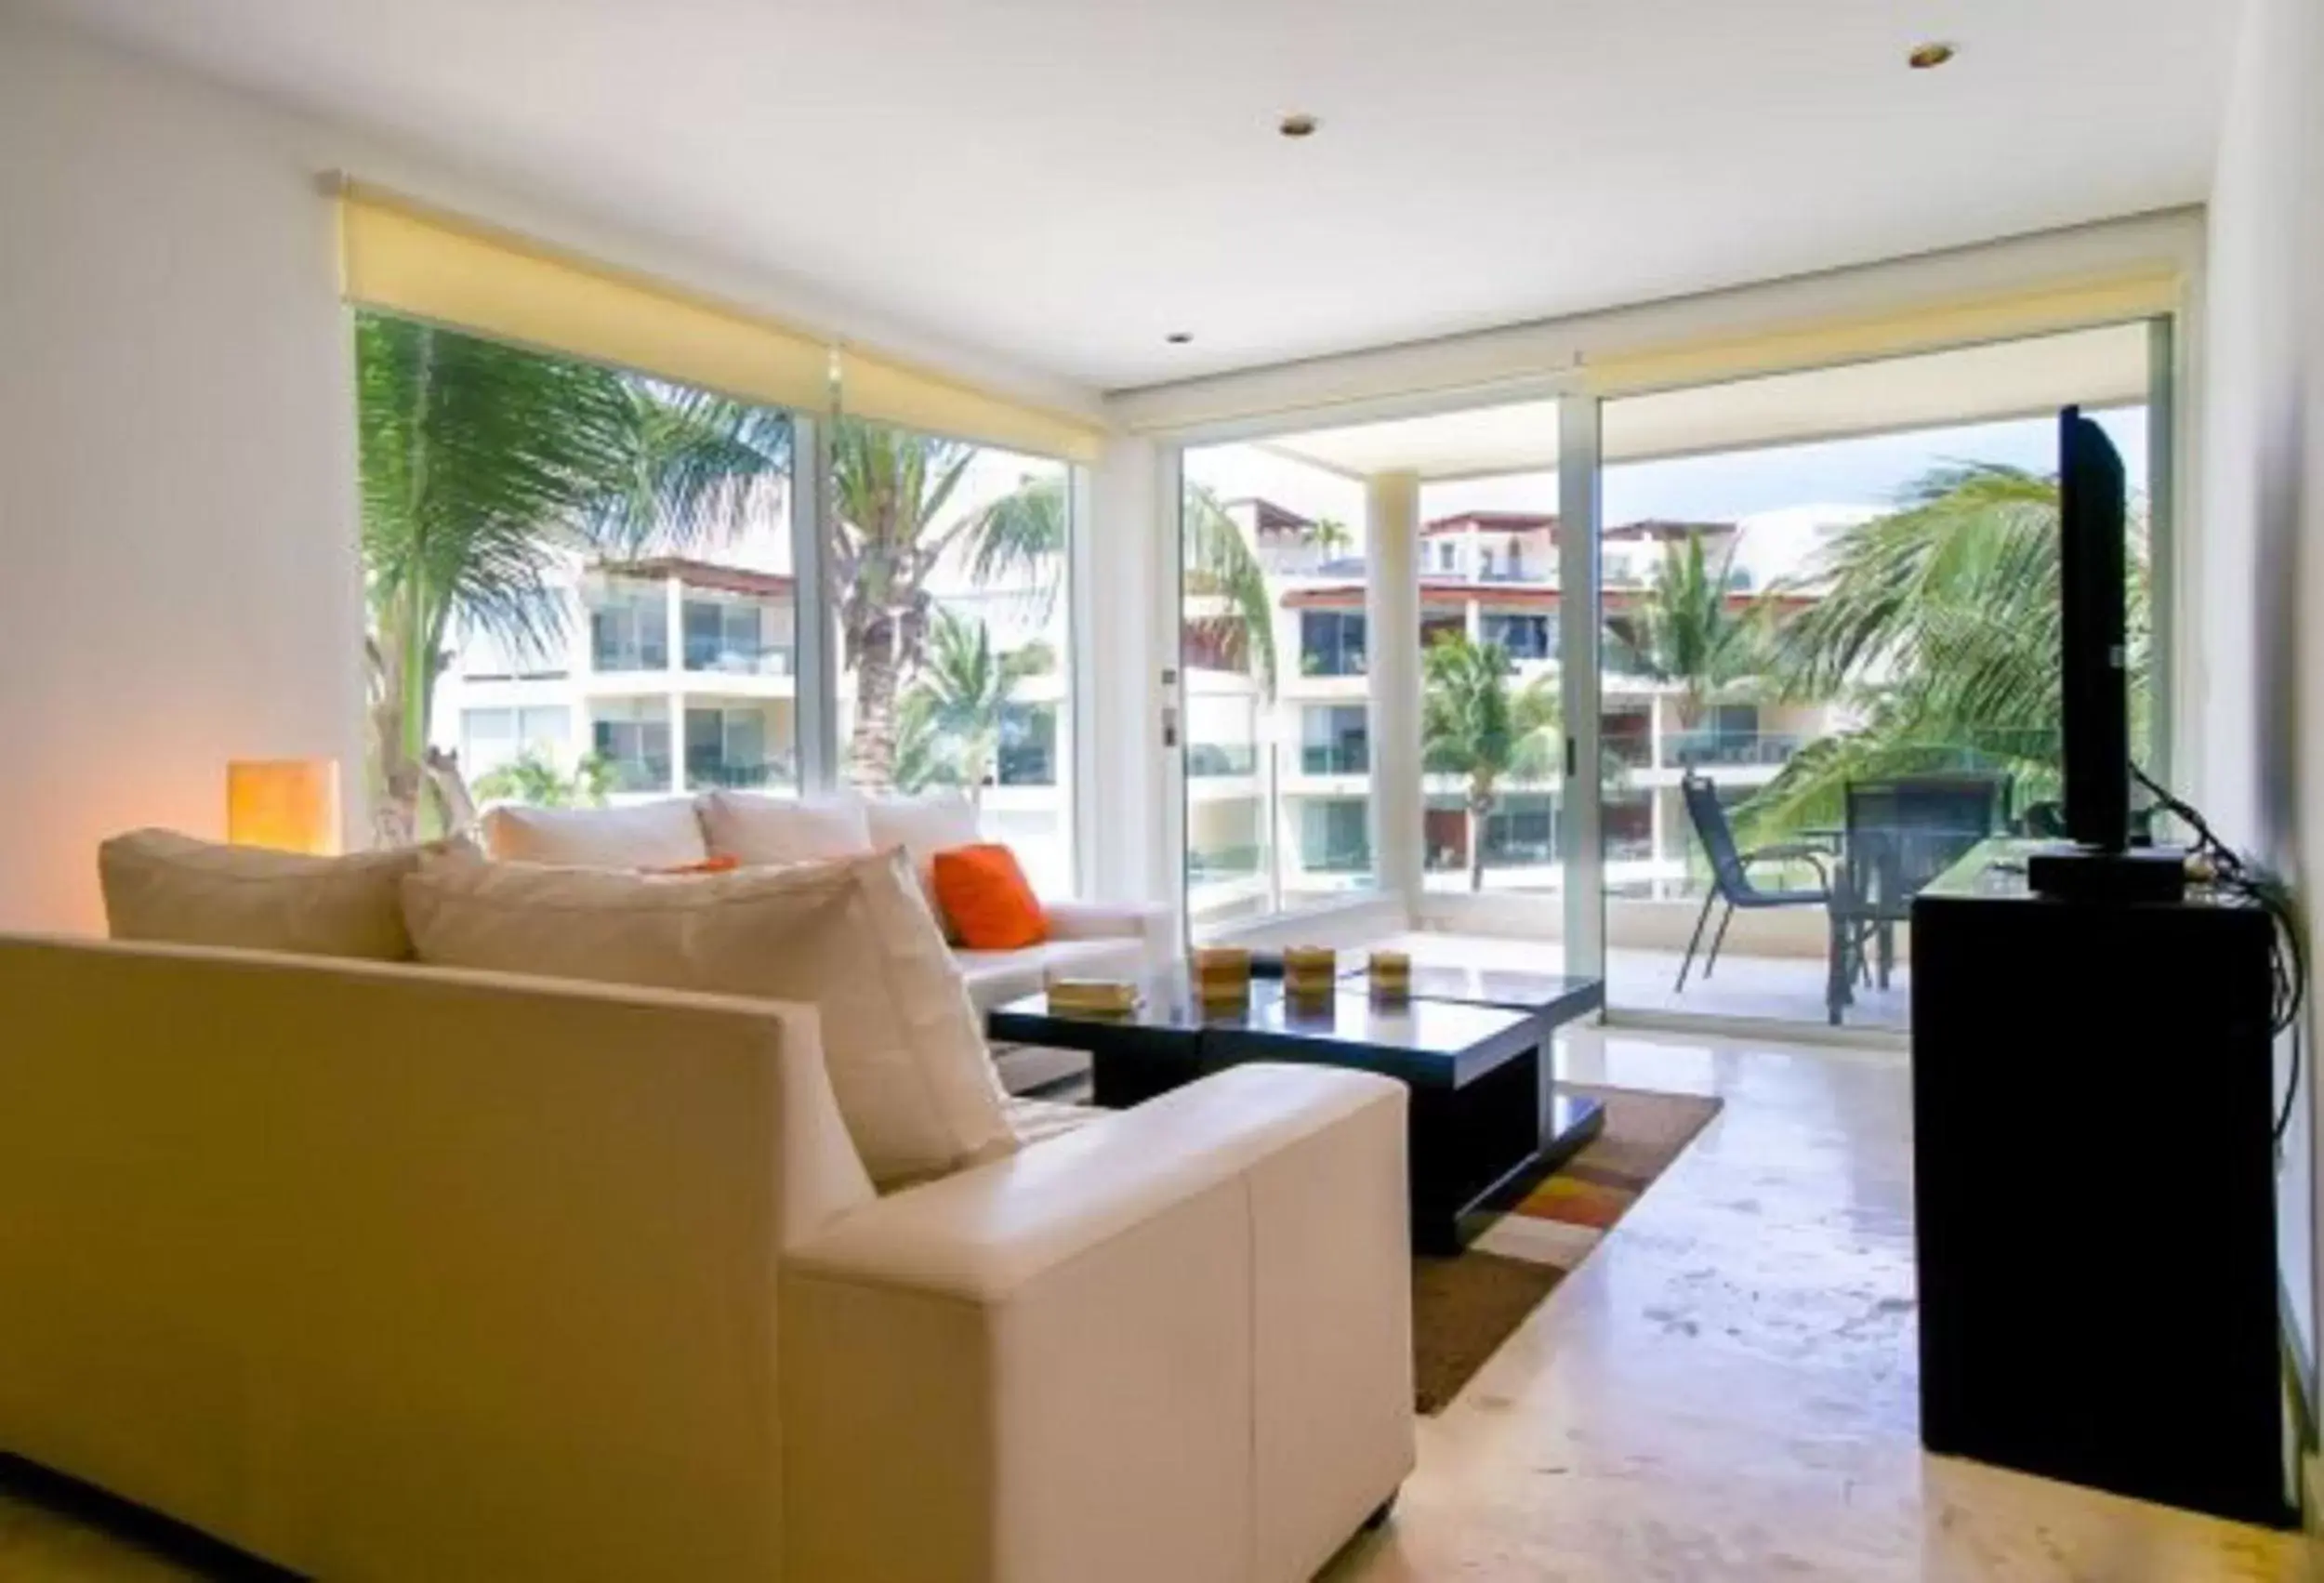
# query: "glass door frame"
[[1581, 490]]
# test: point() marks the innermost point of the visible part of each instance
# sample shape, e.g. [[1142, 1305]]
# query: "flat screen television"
[[2094, 674]]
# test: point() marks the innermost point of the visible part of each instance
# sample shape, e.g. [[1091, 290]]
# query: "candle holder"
[[1391, 977], [1310, 973], [1223, 978]]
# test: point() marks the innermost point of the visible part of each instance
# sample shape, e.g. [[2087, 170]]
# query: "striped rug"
[[1465, 1307]]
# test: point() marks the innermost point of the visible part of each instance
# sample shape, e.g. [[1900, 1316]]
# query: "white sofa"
[[1085, 938], [390, 1273]]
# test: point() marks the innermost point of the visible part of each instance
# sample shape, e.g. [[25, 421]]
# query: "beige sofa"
[[1085, 938], [390, 1273]]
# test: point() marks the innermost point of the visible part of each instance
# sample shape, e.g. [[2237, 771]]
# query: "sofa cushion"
[[761, 829], [650, 835], [923, 827], [159, 884], [905, 1048], [984, 900], [997, 977]]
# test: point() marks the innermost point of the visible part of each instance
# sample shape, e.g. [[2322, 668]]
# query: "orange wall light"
[[290, 804]]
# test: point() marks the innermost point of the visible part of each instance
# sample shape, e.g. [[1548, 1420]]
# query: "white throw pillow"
[[757, 829], [905, 1048], [160, 885], [652, 835], [923, 827]]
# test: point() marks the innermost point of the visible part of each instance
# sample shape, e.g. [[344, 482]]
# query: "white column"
[[674, 597], [1130, 792], [1392, 645], [1578, 578]]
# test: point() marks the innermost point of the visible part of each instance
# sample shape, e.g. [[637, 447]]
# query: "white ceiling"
[[1065, 181], [2099, 368]]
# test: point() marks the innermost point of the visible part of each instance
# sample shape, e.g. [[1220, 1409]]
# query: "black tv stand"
[[2095, 874], [2093, 1188]]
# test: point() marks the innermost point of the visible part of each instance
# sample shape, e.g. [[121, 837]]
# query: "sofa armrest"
[[1146, 921], [1163, 1345]]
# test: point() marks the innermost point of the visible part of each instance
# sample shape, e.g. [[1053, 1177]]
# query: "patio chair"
[[1730, 872], [1901, 835]]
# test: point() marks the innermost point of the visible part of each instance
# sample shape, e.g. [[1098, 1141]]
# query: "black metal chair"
[[1901, 833], [1730, 871]]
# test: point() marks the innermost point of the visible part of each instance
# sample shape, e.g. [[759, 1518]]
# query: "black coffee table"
[[1486, 1122]]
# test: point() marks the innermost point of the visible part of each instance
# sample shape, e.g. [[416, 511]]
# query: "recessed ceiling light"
[[1298, 125], [1929, 56], [1178, 338]]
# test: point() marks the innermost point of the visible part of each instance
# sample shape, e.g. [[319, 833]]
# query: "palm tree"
[[1474, 724], [1330, 536], [530, 778], [922, 761], [1224, 570], [1688, 632], [968, 685], [892, 493], [1938, 627], [482, 468]]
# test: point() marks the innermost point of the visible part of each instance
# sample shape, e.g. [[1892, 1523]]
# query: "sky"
[[1782, 494]]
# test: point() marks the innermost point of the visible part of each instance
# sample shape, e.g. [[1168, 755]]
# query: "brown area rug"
[[1465, 1307]]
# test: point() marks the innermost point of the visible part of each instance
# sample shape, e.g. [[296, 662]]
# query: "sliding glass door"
[[1828, 659]]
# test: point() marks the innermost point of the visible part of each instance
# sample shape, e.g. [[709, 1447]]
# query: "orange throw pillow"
[[723, 865], [984, 898]]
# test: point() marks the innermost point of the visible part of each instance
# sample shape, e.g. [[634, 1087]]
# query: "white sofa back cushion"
[[905, 1048], [923, 827], [755, 829], [652, 835], [159, 884]]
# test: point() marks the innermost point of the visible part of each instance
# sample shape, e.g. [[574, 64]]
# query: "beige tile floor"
[[1726, 1389], [1723, 1392]]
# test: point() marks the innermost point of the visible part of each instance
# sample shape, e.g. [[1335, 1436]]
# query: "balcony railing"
[[1697, 749], [629, 657], [1033, 766], [1224, 862], [1339, 758], [1221, 758], [730, 659], [1632, 751], [637, 774], [1340, 860], [727, 774], [1331, 661]]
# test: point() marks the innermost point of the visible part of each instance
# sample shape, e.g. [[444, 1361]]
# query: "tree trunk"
[[395, 809], [1480, 810], [871, 748], [395, 815]]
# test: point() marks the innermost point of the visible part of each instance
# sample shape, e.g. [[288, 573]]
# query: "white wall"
[[2258, 605], [181, 583]]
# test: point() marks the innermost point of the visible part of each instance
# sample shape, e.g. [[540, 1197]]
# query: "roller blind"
[[405, 259], [882, 390], [1842, 340]]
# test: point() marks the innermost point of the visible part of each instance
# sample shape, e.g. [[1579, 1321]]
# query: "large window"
[[948, 567], [540, 533], [1274, 653], [1838, 625]]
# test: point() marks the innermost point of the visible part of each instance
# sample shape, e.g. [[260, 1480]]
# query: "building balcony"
[[613, 659], [630, 776], [1338, 759], [1222, 760], [737, 660], [1705, 749], [728, 774]]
